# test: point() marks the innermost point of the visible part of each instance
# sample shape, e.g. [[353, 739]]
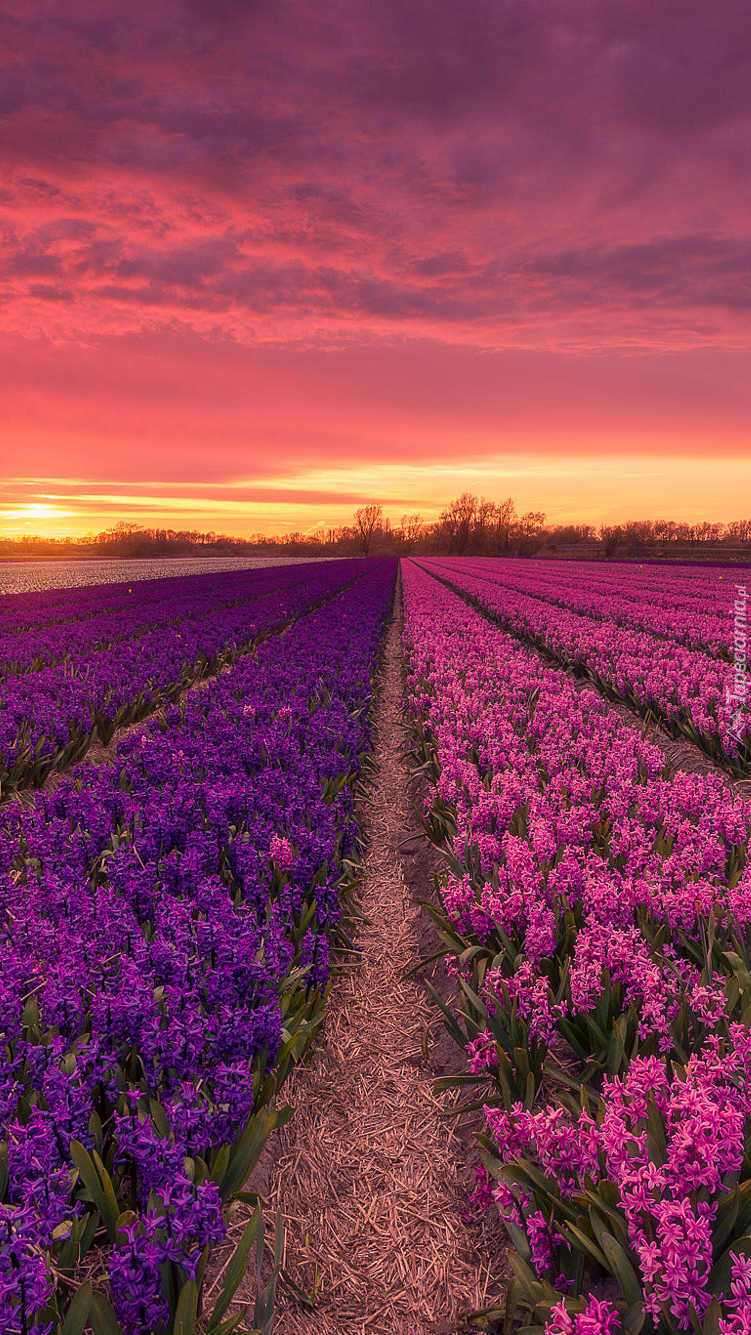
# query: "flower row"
[[691, 693], [50, 717], [166, 925], [35, 609], [703, 622], [116, 617], [598, 911]]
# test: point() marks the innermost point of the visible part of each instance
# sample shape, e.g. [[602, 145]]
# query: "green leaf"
[[744, 1206], [622, 1268], [712, 1318], [451, 1024], [526, 1279], [235, 1271], [102, 1319], [447, 933], [230, 1325], [727, 1214], [535, 1177], [530, 1090], [187, 1310], [159, 1118], [278, 1239], [247, 1151], [739, 969], [585, 1244], [263, 1314], [614, 1218], [719, 1279], [455, 1081], [617, 1048], [655, 1133], [633, 1318], [519, 1239], [98, 1185], [472, 953], [78, 1312]]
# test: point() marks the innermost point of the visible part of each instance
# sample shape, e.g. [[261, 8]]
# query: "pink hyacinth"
[[598, 1318], [280, 850]]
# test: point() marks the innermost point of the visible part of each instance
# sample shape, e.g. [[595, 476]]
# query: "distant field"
[[29, 576]]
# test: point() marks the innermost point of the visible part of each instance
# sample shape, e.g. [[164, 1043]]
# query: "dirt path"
[[369, 1176]]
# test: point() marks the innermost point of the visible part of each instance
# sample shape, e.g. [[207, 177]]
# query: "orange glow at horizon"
[[179, 434], [571, 490]]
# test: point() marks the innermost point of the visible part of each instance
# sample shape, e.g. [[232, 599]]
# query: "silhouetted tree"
[[410, 531], [457, 520], [368, 522], [467, 524], [502, 524]]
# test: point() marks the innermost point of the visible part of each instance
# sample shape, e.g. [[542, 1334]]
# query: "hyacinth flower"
[[544, 847], [165, 964], [666, 609], [690, 692], [647, 1197], [50, 714], [595, 908]]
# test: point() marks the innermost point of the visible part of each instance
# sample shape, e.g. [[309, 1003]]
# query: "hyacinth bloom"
[[669, 1201], [644, 659], [80, 674], [687, 605], [153, 910], [606, 900]]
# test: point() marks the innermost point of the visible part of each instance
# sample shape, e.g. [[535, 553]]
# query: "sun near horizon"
[[587, 490]]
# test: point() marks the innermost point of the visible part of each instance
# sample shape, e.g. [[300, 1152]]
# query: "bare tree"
[[610, 536], [457, 521], [529, 531], [368, 522], [739, 530], [664, 530], [531, 523], [482, 525], [504, 519], [410, 531]]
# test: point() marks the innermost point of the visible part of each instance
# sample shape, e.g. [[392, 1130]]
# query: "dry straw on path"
[[368, 1171]]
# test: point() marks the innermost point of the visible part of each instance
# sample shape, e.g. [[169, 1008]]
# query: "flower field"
[[166, 925], [23, 577], [184, 765], [77, 666], [596, 913], [672, 663], [687, 606]]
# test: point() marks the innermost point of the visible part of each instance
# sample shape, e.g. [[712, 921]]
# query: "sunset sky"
[[264, 260]]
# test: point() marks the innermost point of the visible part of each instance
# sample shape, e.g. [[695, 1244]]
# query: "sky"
[[262, 261]]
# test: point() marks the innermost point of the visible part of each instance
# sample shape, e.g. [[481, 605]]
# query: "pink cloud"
[[237, 238], [497, 174]]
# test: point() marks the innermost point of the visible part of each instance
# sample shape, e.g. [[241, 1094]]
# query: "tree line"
[[469, 525]]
